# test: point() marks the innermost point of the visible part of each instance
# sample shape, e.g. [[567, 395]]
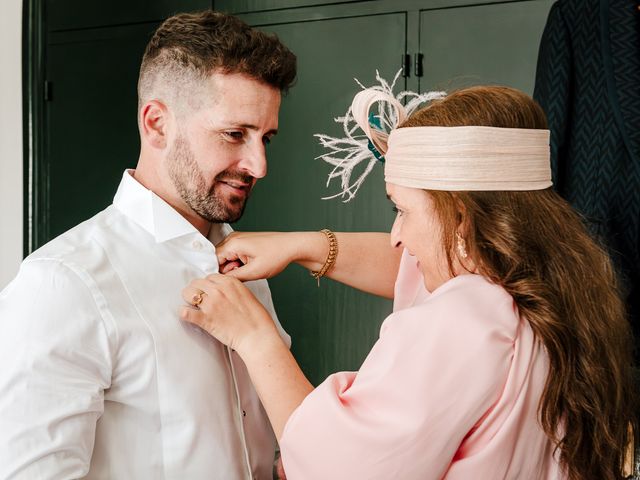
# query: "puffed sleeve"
[[55, 363], [435, 371]]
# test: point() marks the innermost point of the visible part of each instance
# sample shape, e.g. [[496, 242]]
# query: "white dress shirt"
[[100, 379]]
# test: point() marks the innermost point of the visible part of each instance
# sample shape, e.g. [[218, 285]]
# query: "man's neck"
[[149, 179]]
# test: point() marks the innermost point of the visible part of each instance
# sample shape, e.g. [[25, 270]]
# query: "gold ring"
[[197, 298]]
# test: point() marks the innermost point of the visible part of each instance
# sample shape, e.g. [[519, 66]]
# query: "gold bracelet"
[[331, 257]]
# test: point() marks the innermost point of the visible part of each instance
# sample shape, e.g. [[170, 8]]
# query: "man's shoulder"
[[73, 261], [78, 241]]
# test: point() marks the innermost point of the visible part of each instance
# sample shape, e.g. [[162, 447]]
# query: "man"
[[99, 378]]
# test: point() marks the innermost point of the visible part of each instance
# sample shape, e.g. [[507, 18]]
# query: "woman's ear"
[[462, 245], [462, 226], [154, 123], [464, 253]]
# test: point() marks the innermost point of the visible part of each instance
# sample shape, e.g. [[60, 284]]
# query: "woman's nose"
[[395, 235]]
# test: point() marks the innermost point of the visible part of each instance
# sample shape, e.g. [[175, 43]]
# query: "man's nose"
[[254, 161]]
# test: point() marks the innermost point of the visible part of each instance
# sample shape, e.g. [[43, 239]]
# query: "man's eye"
[[397, 211], [266, 140], [234, 135]]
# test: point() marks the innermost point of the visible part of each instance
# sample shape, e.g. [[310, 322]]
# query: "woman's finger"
[[234, 247], [244, 273], [217, 279], [192, 295], [229, 266], [193, 316], [200, 290], [218, 287], [225, 256]]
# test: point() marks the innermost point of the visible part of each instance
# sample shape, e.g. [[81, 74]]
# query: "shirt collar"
[[151, 212]]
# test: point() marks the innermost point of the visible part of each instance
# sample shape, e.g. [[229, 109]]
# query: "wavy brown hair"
[[537, 248]]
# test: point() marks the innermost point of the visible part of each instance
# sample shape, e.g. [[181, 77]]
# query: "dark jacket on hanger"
[[588, 83]]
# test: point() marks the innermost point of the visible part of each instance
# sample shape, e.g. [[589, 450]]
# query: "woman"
[[508, 352]]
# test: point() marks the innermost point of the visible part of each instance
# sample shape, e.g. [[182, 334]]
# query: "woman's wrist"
[[260, 345], [312, 249]]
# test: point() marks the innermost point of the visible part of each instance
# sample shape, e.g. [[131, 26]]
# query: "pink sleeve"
[[433, 374]]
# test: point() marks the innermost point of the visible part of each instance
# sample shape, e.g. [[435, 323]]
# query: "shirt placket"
[[205, 259], [240, 415]]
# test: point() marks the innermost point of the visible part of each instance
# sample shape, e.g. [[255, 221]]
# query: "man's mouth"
[[240, 187]]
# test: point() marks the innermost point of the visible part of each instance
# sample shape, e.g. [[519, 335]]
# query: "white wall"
[[10, 139]]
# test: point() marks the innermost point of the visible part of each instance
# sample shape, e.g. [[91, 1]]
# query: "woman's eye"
[[397, 211], [266, 140]]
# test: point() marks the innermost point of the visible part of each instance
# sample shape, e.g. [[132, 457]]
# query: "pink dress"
[[450, 390]]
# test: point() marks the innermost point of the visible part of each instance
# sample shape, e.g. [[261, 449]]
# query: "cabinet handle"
[[417, 68], [406, 64], [48, 91]]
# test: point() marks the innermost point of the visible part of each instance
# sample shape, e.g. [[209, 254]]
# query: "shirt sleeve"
[[433, 374], [55, 364]]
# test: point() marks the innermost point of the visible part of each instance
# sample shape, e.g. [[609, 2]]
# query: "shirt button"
[[197, 245], [244, 414]]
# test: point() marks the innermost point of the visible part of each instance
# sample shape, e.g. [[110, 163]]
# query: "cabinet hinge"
[[406, 64], [48, 91]]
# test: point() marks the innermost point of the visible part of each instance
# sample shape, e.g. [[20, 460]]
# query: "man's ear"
[[154, 124]]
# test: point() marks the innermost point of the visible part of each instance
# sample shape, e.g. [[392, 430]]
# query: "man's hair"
[[187, 48]]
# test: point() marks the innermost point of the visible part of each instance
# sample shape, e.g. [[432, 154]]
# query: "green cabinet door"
[[495, 43], [333, 327], [92, 134], [65, 15]]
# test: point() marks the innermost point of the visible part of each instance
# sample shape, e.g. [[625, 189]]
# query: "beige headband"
[[435, 158], [468, 158]]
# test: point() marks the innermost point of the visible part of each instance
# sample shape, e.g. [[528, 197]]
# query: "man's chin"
[[231, 214], [233, 217], [235, 209]]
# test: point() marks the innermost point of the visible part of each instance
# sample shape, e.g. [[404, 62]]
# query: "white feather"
[[350, 151]]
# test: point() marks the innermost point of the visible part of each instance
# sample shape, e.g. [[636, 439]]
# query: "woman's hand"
[[227, 310], [366, 260], [257, 255]]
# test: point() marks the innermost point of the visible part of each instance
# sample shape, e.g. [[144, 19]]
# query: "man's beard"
[[192, 187]]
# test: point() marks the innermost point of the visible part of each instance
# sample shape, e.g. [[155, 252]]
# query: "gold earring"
[[460, 246]]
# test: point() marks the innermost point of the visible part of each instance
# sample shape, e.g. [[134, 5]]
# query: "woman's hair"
[[536, 247]]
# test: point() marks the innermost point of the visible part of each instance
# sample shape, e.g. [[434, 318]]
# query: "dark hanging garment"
[[588, 83]]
